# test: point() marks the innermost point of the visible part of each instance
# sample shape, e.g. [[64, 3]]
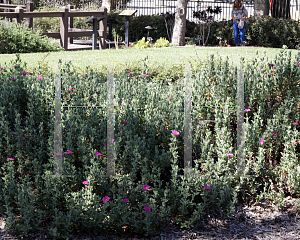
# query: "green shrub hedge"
[[266, 31], [16, 38]]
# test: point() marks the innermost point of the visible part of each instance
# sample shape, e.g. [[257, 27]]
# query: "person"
[[239, 13]]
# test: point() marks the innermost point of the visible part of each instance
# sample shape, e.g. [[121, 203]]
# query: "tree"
[[178, 37], [280, 9]]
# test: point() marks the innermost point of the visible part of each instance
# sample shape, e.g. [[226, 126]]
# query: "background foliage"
[[16, 38]]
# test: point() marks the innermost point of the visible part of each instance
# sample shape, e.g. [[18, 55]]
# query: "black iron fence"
[[154, 7]]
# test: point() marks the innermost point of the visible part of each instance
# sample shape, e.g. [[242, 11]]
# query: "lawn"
[[157, 56]]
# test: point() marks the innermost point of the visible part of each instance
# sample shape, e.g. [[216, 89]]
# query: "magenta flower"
[[298, 63], [247, 110], [230, 155], [82, 75], [113, 140], [125, 121], [261, 68], [30, 73], [126, 200], [72, 89], [127, 81], [131, 73], [158, 216], [11, 159], [175, 133], [85, 182], [271, 64], [1, 68], [274, 134], [122, 104], [170, 98], [24, 73], [40, 77], [105, 199], [140, 92], [13, 79], [97, 153], [127, 69], [68, 152], [266, 74], [135, 236], [207, 187], [147, 209], [15, 66], [146, 187], [262, 141], [295, 123], [144, 75]]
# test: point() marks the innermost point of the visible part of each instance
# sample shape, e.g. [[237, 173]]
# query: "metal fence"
[[156, 7], [153, 7]]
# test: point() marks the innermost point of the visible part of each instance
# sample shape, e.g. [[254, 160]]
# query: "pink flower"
[[144, 75], [262, 141], [247, 109], [266, 74], [127, 69], [147, 209], [126, 81], [146, 187], [11, 159], [97, 153], [1, 68], [175, 133], [68, 152], [85, 182], [158, 216], [122, 104], [261, 68], [207, 187], [274, 134], [82, 75], [295, 123], [126, 200], [125, 121], [14, 79], [40, 77], [30, 73], [298, 63], [230, 155], [24, 73], [113, 140], [131, 73], [105, 199], [170, 98]]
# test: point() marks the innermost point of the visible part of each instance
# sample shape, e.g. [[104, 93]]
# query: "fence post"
[[70, 22], [103, 29], [29, 8], [64, 28], [19, 10]]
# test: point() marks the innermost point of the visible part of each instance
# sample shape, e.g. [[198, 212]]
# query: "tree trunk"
[[261, 8], [280, 9], [178, 37], [109, 4]]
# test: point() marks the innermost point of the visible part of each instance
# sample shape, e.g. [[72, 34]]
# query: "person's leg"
[[236, 33], [243, 34]]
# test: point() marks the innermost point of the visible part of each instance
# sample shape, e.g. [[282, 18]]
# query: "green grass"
[[125, 57]]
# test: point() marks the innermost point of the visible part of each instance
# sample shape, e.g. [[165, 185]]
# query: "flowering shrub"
[[147, 191]]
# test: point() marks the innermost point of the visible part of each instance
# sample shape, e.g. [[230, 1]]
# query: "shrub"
[[17, 38], [162, 42], [266, 31], [141, 44]]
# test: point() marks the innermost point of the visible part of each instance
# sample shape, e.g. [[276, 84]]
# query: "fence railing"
[[67, 32], [240, 107]]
